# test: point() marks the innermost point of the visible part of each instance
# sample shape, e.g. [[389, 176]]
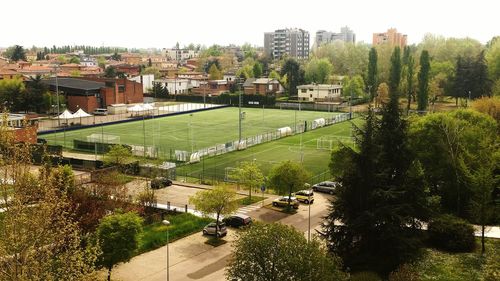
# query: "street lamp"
[[309, 206], [167, 223]]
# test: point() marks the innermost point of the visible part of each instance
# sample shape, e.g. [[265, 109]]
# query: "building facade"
[[262, 86], [325, 37], [175, 86], [319, 92], [391, 37], [291, 42]]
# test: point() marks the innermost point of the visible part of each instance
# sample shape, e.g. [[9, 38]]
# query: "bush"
[[450, 233], [404, 273], [365, 276]]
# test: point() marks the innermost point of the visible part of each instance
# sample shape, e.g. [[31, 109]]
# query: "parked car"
[[100, 111], [160, 182], [210, 229], [283, 202], [326, 187], [238, 220], [306, 196]]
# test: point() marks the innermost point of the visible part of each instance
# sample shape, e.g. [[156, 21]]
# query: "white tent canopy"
[[147, 106], [65, 115], [135, 108], [80, 113]]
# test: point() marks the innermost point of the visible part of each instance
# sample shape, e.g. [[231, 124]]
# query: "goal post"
[[324, 144]]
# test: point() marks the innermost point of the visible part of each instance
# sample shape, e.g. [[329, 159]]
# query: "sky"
[[162, 23]]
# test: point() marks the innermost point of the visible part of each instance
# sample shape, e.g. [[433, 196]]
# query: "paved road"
[[191, 259]]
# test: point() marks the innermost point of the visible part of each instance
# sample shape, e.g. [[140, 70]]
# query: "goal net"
[[103, 138], [229, 174], [324, 144]]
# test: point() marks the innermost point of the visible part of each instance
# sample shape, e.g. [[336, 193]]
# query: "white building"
[[146, 80], [291, 42], [175, 85], [319, 92], [180, 54]]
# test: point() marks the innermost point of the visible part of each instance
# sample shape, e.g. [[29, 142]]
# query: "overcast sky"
[[162, 23]]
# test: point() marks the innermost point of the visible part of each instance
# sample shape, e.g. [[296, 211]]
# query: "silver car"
[[326, 187], [210, 229]]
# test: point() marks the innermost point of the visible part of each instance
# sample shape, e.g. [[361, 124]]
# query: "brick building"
[[90, 93], [262, 86], [391, 37]]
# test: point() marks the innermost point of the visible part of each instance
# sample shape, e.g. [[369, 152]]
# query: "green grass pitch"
[[270, 153], [186, 132]]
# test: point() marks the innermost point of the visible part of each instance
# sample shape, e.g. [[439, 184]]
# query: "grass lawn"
[[270, 153], [181, 225], [443, 266], [186, 132]]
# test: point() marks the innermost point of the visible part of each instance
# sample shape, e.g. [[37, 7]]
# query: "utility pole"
[[57, 96], [239, 119]]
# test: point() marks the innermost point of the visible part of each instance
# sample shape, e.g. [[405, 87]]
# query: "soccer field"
[[192, 131], [268, 154]]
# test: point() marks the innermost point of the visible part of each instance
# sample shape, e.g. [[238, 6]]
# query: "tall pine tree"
[[382, 196], [395, 73], [423, 81]]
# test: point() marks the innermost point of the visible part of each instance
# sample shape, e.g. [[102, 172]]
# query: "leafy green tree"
[[217, 201], [288, 177], [354, 86], [395, 72], [257, 70], [12, 92], [74, 60], [382, 94], [275, 251], [249, 174], [423, 81], [408, 74], [118, 155], [116, 56], [448, 146], [152, 70], [346, 58], [294, 74], [16, 53], [381, 199], [372, 81], [33, 98], [318, 71], [119, 238], [471, 78], [214, 73], [63, 178], [110, 72], [274, 75], [493, 59]]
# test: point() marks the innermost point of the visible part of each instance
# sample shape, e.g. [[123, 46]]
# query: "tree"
[[152, 70], [382, 93], [318, 71], [74, 60], [275, 251], [288, 177], [116, 56], [119, 238], [408, 74], [353, 86], [395, 72], [33, 98], [294, 74], [110, 72], [257, 70], [471, 78], [39, 238], [250, 175], [372, 81], [12, 92], [118, 154], [219, 201], [16, 53], [490, 106], [274, 75], [493, 59], [346, 58], [423, 81], [214, 73], [159, 90], [381, 199]]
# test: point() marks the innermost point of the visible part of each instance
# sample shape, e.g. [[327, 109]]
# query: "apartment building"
[[292, 42], [325, 37], [391, 37]]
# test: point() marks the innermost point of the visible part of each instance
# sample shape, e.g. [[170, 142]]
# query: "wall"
[[87, 103]]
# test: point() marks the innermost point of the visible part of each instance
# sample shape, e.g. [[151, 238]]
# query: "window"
[[310, 95], [303, 90], [121, 88]]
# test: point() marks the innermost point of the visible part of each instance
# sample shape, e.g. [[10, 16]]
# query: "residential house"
[[175, 85], [146, 80], [320, 92], [213, 87], [262, 86], [131, 58]]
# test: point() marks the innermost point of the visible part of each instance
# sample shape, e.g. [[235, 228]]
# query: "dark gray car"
[[326, 187]]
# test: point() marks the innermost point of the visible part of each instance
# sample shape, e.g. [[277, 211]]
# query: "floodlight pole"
[[57, 96]]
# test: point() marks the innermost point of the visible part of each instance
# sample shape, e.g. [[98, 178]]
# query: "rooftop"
[[74, 83]]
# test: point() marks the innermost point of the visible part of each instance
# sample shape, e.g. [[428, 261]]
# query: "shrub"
[[365, 276], [451, 234], [404, 273]]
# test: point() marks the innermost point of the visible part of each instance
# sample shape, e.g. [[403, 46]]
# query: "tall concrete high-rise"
[[324, 37], [391, 37], [292, 42]]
